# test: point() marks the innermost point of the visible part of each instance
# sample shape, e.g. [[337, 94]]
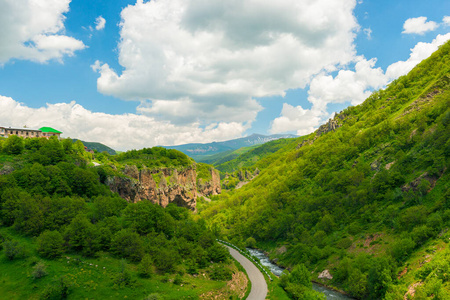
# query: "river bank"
[[330, 293]]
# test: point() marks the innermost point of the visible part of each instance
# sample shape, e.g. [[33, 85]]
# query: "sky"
[[135, 74]]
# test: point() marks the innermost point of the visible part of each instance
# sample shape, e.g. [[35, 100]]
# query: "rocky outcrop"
[[163, 186], [331, 125], [211, 187], [325, 275]]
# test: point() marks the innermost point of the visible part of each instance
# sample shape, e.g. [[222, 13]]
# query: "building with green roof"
[[25, 132], [49, 132]]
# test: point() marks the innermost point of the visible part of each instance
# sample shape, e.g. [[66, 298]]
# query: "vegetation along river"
[[277, 270]]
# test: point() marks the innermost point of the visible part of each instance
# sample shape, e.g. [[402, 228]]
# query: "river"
[[276, 270]]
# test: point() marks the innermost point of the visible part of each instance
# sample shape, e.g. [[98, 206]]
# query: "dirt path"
[[259, 285]]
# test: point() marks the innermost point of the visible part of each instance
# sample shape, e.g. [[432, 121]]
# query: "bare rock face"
[[164, 186], [331, 125], [160, 186], [212, 187], [325, 275]]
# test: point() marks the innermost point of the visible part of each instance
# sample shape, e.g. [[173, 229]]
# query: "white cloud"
[[446, 20], [419, 26], [121, 132], [368, 33], [303, 121], [100, 23], [348, 86], [214, 55], [418, 53], [34, 30]]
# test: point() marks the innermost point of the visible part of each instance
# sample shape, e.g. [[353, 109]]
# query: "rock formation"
[[163, 186], [331, 125], [211, 187]]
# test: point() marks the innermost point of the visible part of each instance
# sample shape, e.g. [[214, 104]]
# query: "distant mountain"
[[98, 146], [199, 151]]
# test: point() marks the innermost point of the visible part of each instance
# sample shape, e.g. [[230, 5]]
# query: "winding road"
[[259, 285]]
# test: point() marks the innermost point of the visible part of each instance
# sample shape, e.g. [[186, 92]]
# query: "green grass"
[[92, 278]]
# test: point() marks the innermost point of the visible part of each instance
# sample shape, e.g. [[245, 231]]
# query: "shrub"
[[250, 242], [178, 280], [127, 243], [344, 243], [13, 250], [217, 253], [402, 248], [154, 296], [39, 270], [220, 273], [421, 234], [145, 268], [59, 289], [50, 244], [123, 277]]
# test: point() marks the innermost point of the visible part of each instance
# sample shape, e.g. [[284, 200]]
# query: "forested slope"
[[64, 234], [368, 200]]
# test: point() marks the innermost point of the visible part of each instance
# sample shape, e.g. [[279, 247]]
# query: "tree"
[[127, 243], [29, 214], [50, 244], [145, 267], [300, 275], [82, 236], [13, 145], [145, 217]]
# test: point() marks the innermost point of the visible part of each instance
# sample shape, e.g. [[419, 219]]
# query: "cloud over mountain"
[[121, 132], [208, 56]]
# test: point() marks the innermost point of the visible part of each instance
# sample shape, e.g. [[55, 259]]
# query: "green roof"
[[49, 129]]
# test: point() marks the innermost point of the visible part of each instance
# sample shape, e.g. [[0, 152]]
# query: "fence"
[[246, 254]]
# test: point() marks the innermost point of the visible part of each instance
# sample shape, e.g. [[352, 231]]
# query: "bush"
[[13, 145], [13, 250], [127, 243], [50, 244], [178, 280], [401, 249], [166, 261], [59, 289], [154, 296], [123, 277], [39, 270], [421, 234], [344, 243], [250, 242], [217, 253], [220, 273], [145, 268]]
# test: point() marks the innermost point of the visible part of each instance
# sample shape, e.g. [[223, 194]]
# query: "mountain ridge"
[[199, 151]]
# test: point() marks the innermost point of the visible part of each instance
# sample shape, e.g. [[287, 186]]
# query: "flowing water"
[[276, 270]]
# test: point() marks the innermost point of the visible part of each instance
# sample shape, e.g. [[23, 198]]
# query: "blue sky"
[[167, 72]]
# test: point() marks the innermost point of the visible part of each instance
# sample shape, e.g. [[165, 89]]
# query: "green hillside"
[[211, 151], [368, 201], [98, 147], [64, 234], [250, 157]]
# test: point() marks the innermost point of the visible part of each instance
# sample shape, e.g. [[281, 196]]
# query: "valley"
[[361, 205]]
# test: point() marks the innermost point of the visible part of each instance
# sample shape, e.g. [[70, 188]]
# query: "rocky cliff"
[[212, 186], [163, 186]]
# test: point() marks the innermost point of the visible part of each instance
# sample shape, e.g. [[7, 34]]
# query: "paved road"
[[259, 285]]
